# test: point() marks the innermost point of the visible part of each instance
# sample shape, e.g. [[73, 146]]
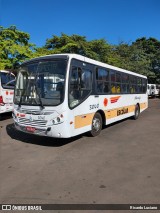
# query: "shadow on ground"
[[47, 141], [5, 116], [38, 140]]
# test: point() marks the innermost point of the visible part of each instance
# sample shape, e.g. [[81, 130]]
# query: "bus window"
[[133, 84], [102, 79], [118, 82], [139, 85], [118, 88], [144, 85], [113, 83], [125, 83], [80, 85], [7, 80], [125, 88]]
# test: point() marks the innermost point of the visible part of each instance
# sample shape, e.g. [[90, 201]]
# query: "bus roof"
[[85, 59], [7, 71], [4, 71]]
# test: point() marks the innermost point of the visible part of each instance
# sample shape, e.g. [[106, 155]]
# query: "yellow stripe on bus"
[[83, 120], [143, 105], [119, 111], [86, 119]]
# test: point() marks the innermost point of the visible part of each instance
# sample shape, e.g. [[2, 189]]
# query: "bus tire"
[[96, 126], [136, 112]]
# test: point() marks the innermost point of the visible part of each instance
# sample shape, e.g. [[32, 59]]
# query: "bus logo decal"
[[122, 111], [105, 102], [114, 99], [31, 119]]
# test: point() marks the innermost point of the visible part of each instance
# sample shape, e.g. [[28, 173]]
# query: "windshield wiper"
[[40, 101], [35, 83], [19, 105]]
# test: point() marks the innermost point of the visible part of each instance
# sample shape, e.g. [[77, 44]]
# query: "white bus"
[[7, 83], [153, 90], [88, 95]]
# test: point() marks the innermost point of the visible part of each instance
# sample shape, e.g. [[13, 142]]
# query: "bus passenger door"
[[80, 95]]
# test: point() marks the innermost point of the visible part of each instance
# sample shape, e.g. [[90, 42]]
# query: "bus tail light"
[[1, 101]]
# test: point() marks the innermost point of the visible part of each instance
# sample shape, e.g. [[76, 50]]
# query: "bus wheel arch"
[[101, 112]]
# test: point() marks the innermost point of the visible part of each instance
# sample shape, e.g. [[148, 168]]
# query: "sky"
[[113, 20]]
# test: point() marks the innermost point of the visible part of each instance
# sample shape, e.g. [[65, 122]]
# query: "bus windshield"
[[41, 83], [7, 80]]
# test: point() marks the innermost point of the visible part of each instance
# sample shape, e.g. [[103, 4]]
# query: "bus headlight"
[[57, 120]]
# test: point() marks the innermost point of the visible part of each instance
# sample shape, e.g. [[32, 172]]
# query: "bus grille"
[[28, 122]]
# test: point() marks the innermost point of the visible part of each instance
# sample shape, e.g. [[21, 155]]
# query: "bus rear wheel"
[[96, 125], [136, 112]]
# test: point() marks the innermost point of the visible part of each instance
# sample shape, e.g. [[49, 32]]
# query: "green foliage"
[[14, 47], [151, 49], [141, 56]]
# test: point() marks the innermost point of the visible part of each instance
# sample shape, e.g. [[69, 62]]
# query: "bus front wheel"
[[96, 125], [136, 112]]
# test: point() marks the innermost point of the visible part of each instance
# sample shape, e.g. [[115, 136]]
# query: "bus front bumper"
[[33, 130]]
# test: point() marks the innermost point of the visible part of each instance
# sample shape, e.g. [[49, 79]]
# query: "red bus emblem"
[[105, 102]]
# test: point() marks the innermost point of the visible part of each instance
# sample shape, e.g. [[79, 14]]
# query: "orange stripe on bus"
[[86, 119], [83, 120]]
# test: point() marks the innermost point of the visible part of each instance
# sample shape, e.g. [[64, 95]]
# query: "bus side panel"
[[83, 115], [115, 107], [7, 96]]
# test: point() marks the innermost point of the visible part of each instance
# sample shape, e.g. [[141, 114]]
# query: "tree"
[[151, 49], [14, 47], [141, 56], [134, 58], [95, 49]]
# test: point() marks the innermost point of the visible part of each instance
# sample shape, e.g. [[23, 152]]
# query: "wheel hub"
[[96, 124]]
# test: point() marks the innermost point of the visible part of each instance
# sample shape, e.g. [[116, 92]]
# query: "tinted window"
[[7, 80], [144, 85], [112, 74], [80, 85], [125, 78], [41, 83], [133, 84], [139, 85], [125, 83], [102, 81], [118, 77]]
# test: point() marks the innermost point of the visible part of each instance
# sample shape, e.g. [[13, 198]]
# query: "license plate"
[[30, 129]]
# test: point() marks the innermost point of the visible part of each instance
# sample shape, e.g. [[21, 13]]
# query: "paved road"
[[121, 165]]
